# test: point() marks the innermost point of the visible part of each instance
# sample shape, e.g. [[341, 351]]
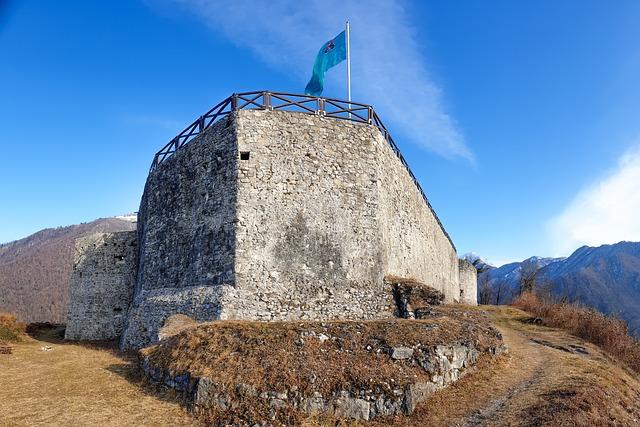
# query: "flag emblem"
[[329, 46]]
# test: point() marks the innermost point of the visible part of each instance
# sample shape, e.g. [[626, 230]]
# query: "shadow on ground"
[[130, 372]]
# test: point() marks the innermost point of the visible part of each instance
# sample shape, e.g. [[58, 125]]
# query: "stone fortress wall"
[[468, 282], [186, 231], [101, 287], [274, 215]]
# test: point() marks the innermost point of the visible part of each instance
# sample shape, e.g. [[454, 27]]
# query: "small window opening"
[[117, 310], [244, 155], [119, 258]]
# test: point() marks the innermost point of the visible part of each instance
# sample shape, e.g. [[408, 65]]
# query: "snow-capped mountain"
[[478, 262]]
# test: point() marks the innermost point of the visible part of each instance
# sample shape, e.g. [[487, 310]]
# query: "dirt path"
[[75, 385], [547, 378]]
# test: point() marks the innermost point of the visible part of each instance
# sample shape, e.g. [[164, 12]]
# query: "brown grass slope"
[[548, 378], [35, 271], [608, 332]]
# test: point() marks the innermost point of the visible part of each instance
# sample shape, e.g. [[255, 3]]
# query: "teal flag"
[[331, 54]]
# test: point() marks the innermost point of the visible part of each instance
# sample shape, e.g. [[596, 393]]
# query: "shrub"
[[10, 329], [608, 332]]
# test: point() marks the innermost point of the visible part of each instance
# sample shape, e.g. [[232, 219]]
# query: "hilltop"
[[547, 377]]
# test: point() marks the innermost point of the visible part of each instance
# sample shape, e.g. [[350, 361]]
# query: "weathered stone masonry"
[[101, 286], [277, 215], [468, 282]]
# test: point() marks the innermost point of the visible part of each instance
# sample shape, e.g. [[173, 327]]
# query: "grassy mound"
[[313, 357], [10, 329]]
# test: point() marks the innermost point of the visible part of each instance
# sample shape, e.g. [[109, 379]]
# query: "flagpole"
[[348, 67]]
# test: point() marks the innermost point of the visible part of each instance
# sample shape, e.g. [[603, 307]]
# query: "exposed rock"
[[351, 408], [401, 353], [444, 363], [416, 393]]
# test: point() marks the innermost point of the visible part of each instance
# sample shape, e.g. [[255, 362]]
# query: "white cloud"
[[388, 70], [606, 212]]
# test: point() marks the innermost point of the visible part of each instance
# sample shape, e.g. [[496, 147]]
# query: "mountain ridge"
[[606, 277]]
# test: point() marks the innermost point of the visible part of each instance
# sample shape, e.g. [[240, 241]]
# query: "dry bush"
[[10, 329], [609, 333]]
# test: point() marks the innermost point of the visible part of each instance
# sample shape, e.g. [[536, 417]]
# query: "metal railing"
[[266, 100]]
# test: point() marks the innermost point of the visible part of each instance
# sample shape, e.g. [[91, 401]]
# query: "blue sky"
[[520, 119]]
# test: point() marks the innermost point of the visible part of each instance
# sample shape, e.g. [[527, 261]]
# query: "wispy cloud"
[[388, 69], [605, 212]]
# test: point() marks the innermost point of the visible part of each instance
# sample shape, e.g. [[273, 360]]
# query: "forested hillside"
[[35, 271]]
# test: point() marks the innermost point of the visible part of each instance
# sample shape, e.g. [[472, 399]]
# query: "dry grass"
[[609, 333], [311, 356], [536, 385], [79, 385]]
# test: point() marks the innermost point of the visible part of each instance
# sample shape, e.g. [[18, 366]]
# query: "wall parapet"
[[267, 100]]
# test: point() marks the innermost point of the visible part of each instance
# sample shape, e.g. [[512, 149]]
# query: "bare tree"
[[544, 291], [501, 291], [528, 277], [484, 289]]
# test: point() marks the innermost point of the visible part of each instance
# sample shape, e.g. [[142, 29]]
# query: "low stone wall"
[[444, 363], [101, 286], [282, 372], [468, 282]]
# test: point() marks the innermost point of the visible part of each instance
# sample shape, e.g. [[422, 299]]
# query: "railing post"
[[201, 124], [320, 108], [369, 114], [266, 100], [234, 102]]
